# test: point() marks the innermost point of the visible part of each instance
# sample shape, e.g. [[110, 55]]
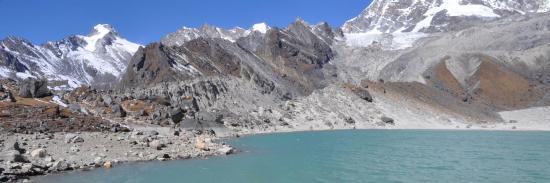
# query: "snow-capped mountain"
[[186, 34], [389, 16], [98, 58]]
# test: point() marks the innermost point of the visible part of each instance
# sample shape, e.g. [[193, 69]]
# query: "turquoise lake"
[[352, 156]]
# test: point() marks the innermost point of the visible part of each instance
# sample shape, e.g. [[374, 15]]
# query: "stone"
[[60, 165], [107, 100], [38, 153], [176, 115], [156, 144], [73, 138], [49, 159], [150, 133], [225, 150], [98, 161], [108, 165], [33, 88], [363, 94], [12, 156], [118, 111], [387, 120], [201, 144]]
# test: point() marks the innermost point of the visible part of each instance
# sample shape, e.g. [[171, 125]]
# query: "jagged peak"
[[299, 20], [261, 27], [101, 30]]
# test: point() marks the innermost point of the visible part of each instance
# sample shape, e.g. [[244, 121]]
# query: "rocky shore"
[[27, 155]]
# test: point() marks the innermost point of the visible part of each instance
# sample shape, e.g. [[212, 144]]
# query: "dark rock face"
[[297, 54], [287, 62], [32, 88], [149, 65]]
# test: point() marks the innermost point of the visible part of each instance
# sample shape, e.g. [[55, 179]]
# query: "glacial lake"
[[352, 156]]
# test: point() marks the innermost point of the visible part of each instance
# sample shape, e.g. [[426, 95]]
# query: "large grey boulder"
[[118, 111], [363, 94], [176, 115], [33, 88], [387, 120]]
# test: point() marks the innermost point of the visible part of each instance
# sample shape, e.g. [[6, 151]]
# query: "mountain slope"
[[389, 16], [287, 61], [96, 59]]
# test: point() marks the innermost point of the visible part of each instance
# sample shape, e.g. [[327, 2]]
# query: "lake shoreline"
[[182, 147], [306, 147]]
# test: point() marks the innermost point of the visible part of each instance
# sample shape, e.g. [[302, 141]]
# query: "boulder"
[[118, 111], [73, 138], [16, 147], [107, 100], [149, 133], [201, 144], [38, 153], [60, 165], [156, 144], [225, 150], [189, 104], [176, 115], [387, 120], [108, 165], [34, 88], [12, 156], [363, 94], [98, 161]]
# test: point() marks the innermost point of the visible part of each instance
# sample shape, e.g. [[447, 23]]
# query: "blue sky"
[[146, 21]]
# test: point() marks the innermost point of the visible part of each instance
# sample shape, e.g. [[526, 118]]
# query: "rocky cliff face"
[[288, 61], [96, 59]]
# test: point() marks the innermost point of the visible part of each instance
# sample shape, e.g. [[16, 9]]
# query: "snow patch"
[[260, 27], [455, 9]]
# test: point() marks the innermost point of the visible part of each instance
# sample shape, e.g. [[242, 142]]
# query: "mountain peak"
[[260, 27], [101, 30]]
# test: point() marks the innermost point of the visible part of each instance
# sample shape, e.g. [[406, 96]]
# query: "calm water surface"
[[353, 156]]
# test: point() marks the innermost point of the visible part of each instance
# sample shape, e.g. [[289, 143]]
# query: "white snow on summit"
[[79, 60], [260, 27]]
